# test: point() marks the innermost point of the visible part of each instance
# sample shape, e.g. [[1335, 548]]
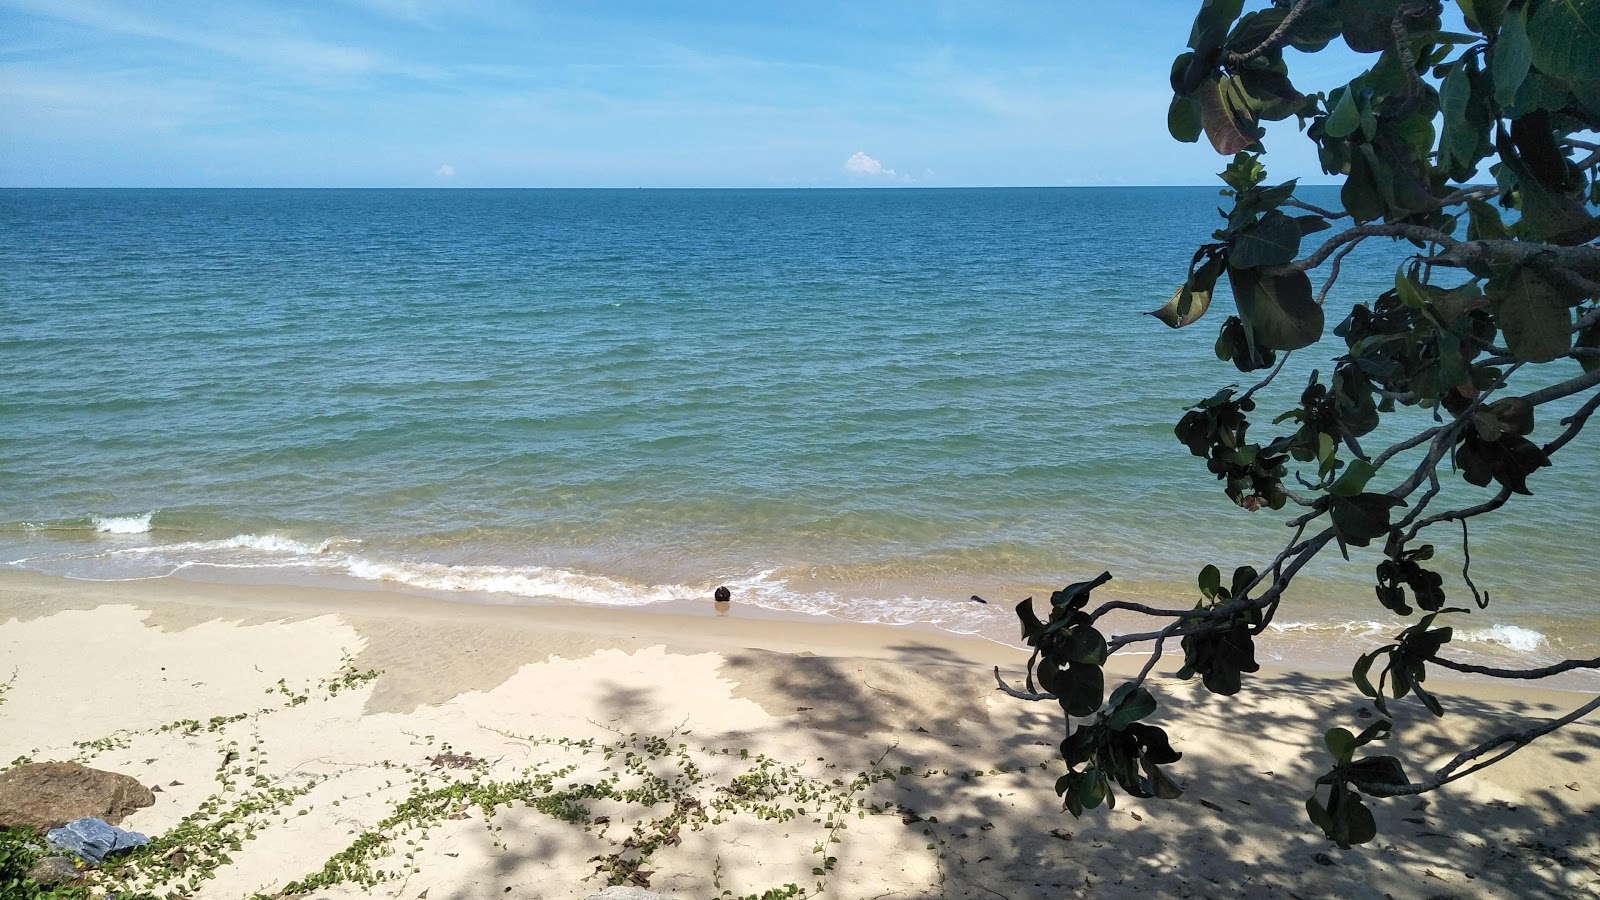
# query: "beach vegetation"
[[1467, 138]]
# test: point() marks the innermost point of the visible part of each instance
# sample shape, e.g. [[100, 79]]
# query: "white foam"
[[270, 543], [1513, 637], [123, 524], [521, 581]]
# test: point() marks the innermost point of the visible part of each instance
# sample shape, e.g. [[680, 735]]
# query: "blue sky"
[[602, 94]]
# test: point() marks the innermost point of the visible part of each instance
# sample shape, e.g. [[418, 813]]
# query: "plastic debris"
[[92, 840]]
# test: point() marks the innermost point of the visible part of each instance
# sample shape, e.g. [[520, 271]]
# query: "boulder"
[[54, 870], [42, 796]]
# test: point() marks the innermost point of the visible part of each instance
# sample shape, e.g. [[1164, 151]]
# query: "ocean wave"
[[1512, 637], [521, 581], [123, 524]]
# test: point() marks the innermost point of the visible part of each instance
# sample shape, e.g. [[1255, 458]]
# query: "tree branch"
[[1449, 772], [1546, 672], [1574, 423], [1020, 695], [1276, 39]]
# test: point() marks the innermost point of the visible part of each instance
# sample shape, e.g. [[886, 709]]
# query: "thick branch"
[[1020, 695], [1450, 772], [1546, 672], [1276, 39], [1574, 423]]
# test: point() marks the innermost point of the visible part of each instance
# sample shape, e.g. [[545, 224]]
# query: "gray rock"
[[53, 870], [616, 892], [42, 796], [93, 840]]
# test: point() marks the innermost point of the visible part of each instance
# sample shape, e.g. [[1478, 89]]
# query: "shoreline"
[[562, 748]]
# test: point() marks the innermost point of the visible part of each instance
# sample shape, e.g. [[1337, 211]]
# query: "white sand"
[[746, 733]]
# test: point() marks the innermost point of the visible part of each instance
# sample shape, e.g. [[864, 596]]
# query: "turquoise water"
[[870, 404]]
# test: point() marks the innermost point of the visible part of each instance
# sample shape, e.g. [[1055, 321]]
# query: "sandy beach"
[[324, 743]]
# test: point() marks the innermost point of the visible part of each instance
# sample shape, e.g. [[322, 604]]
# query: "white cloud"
[[862, 164], [445, 171]]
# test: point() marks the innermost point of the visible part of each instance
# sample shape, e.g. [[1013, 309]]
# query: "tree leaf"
[[1277, 309], [1084, 644], [1229, 128], [1359, 519], [1564, 36], [1341, 743], [1510, 58], [1127, 710], [1354, 480], [1183, 119], [1533, 314], [1378, 770], [1031, 626], [1345, 117], [1212, 23], [1193, 298], [1081, 688], [1273, 241]]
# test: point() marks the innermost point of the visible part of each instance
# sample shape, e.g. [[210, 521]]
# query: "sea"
[[874, 405]]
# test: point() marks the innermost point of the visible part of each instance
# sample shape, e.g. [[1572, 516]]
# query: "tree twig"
[[1450, 772]]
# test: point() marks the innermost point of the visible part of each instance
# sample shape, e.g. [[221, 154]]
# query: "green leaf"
[[1410, 292], [1565, 39], [1127, 710], [1183, 119], [1084, 644], [1510, 58], [1483, 222], [1359, 519], [1533, 314], [1360, 673], [1212, 23], [1080, 689], [1278, 309], [1031, 626], [1345, 117], [1341, 743], [1076, 595], [1378, 770], [1269, 93], [1242, 577], [1210, 581], [1193, 298], [1273, 241], [1354, 480]]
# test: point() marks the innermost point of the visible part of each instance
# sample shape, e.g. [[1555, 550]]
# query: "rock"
[[722, 595], [42, 796], [93, 840], [627, 893], [53, 870]]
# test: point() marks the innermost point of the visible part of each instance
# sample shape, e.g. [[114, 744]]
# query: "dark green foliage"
[[1115, 747], [1345, 818], [1439, 135], [1225, 649]]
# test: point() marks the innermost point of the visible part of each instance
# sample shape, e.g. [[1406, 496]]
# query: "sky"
[[485, 93]]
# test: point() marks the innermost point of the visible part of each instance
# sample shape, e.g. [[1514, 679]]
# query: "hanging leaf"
[[1510, 59], [1183, 119], [1273, 241], [1277, 309], [1534, 315], [1228, 123], [1191, 300]]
